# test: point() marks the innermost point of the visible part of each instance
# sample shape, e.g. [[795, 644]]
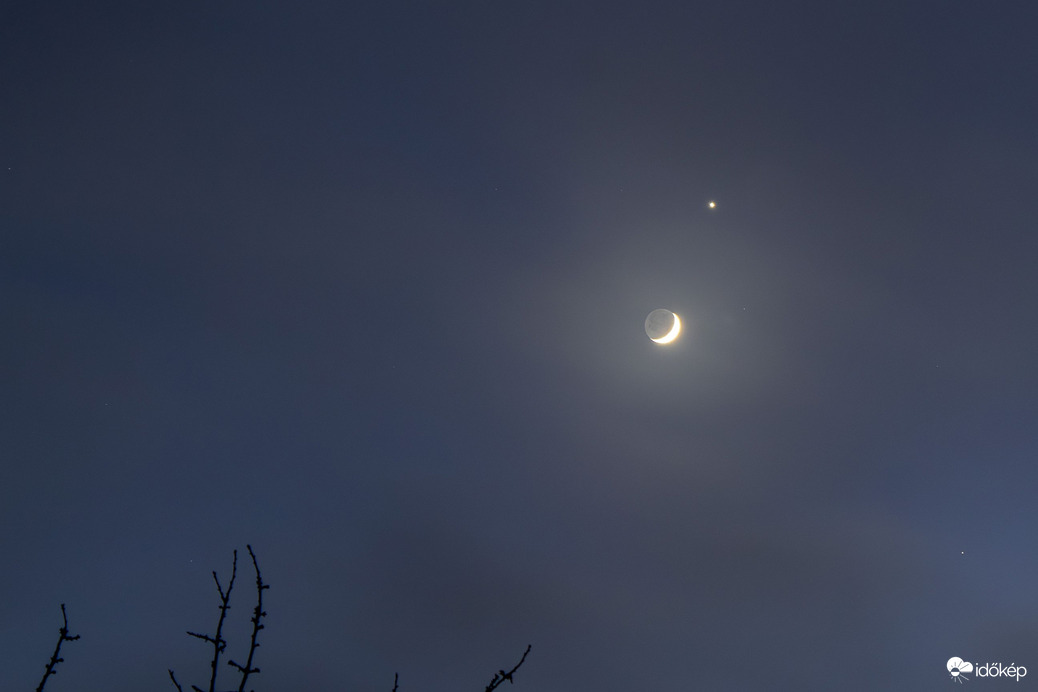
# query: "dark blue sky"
[[363, 285]]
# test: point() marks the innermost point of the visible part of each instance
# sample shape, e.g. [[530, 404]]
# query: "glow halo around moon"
[[662, 326]]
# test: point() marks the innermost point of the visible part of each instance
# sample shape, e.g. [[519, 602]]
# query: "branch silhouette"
[[217, 640], [257, 616], [500, 676], [55, 658]]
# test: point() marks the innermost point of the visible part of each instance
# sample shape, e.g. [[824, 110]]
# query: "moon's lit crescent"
[[672, 334]]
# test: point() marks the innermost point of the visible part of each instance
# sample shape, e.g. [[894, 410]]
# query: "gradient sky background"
[[362, 284]]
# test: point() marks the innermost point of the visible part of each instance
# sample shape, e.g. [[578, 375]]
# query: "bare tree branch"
[[257, 615], [218, 642], [396, 680], [500, 676], [55, 658]]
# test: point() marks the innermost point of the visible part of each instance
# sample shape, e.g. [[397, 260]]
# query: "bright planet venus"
[[662, 326]]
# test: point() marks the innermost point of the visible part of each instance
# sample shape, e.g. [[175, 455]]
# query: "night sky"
[[363, 285]]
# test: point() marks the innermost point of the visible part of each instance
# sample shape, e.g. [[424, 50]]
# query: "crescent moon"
[[672, 334]]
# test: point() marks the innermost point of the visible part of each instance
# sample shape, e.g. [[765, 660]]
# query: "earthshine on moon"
[[662, 326]]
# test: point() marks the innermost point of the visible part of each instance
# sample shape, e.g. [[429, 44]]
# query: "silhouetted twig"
[[396, 679], [257, 615], [55, 658], [500, 676], [218, 642]]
